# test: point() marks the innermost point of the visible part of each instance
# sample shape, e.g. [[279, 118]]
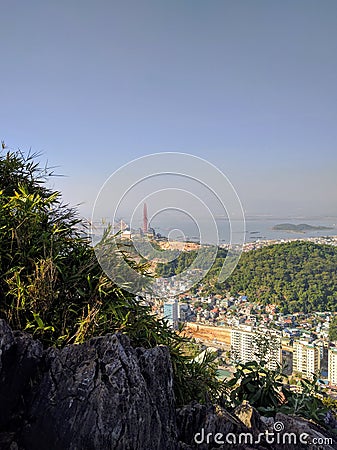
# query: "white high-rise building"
[[244, 346], [332, 365], [306, 358]]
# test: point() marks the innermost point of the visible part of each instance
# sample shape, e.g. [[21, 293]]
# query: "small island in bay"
[[301, 228]]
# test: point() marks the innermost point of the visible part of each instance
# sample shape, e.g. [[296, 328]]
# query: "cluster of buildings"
[[298, 342], [303, 357], [259, 243]]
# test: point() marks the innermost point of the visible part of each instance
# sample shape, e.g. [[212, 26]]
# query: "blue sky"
[[249, 85]]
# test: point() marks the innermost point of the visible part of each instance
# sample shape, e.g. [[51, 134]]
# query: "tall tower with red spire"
[[145, 220]]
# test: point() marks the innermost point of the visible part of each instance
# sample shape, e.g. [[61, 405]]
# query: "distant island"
[[301, 228]]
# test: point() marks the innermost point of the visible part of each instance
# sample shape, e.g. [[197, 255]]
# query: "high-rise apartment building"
[[332, 365], [245, 346], [306, 358], [171, 312]]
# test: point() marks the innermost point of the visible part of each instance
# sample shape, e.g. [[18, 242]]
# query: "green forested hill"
[[298, 276]]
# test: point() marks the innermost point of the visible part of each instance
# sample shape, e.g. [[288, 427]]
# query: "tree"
[[267, 345], [333, 329]]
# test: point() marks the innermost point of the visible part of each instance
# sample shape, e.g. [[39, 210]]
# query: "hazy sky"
[[249, 85]]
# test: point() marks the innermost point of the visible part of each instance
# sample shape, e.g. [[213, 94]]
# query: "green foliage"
[[306, 401], [267, 346], [197, 380], [298, 276], [263, 388], [257, 384], [331, 404], [52, 285], [38, 238], [333, 329], [185, 260]]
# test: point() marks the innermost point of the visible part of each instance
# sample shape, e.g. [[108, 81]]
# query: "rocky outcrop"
[[203, 428], [105, 395], [20, 357], [100, 395], [249, 416]]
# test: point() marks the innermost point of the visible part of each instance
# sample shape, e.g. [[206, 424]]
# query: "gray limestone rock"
[[105, 394], [20, 357]]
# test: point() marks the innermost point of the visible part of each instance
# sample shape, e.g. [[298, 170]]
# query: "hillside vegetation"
[[298, 276]]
